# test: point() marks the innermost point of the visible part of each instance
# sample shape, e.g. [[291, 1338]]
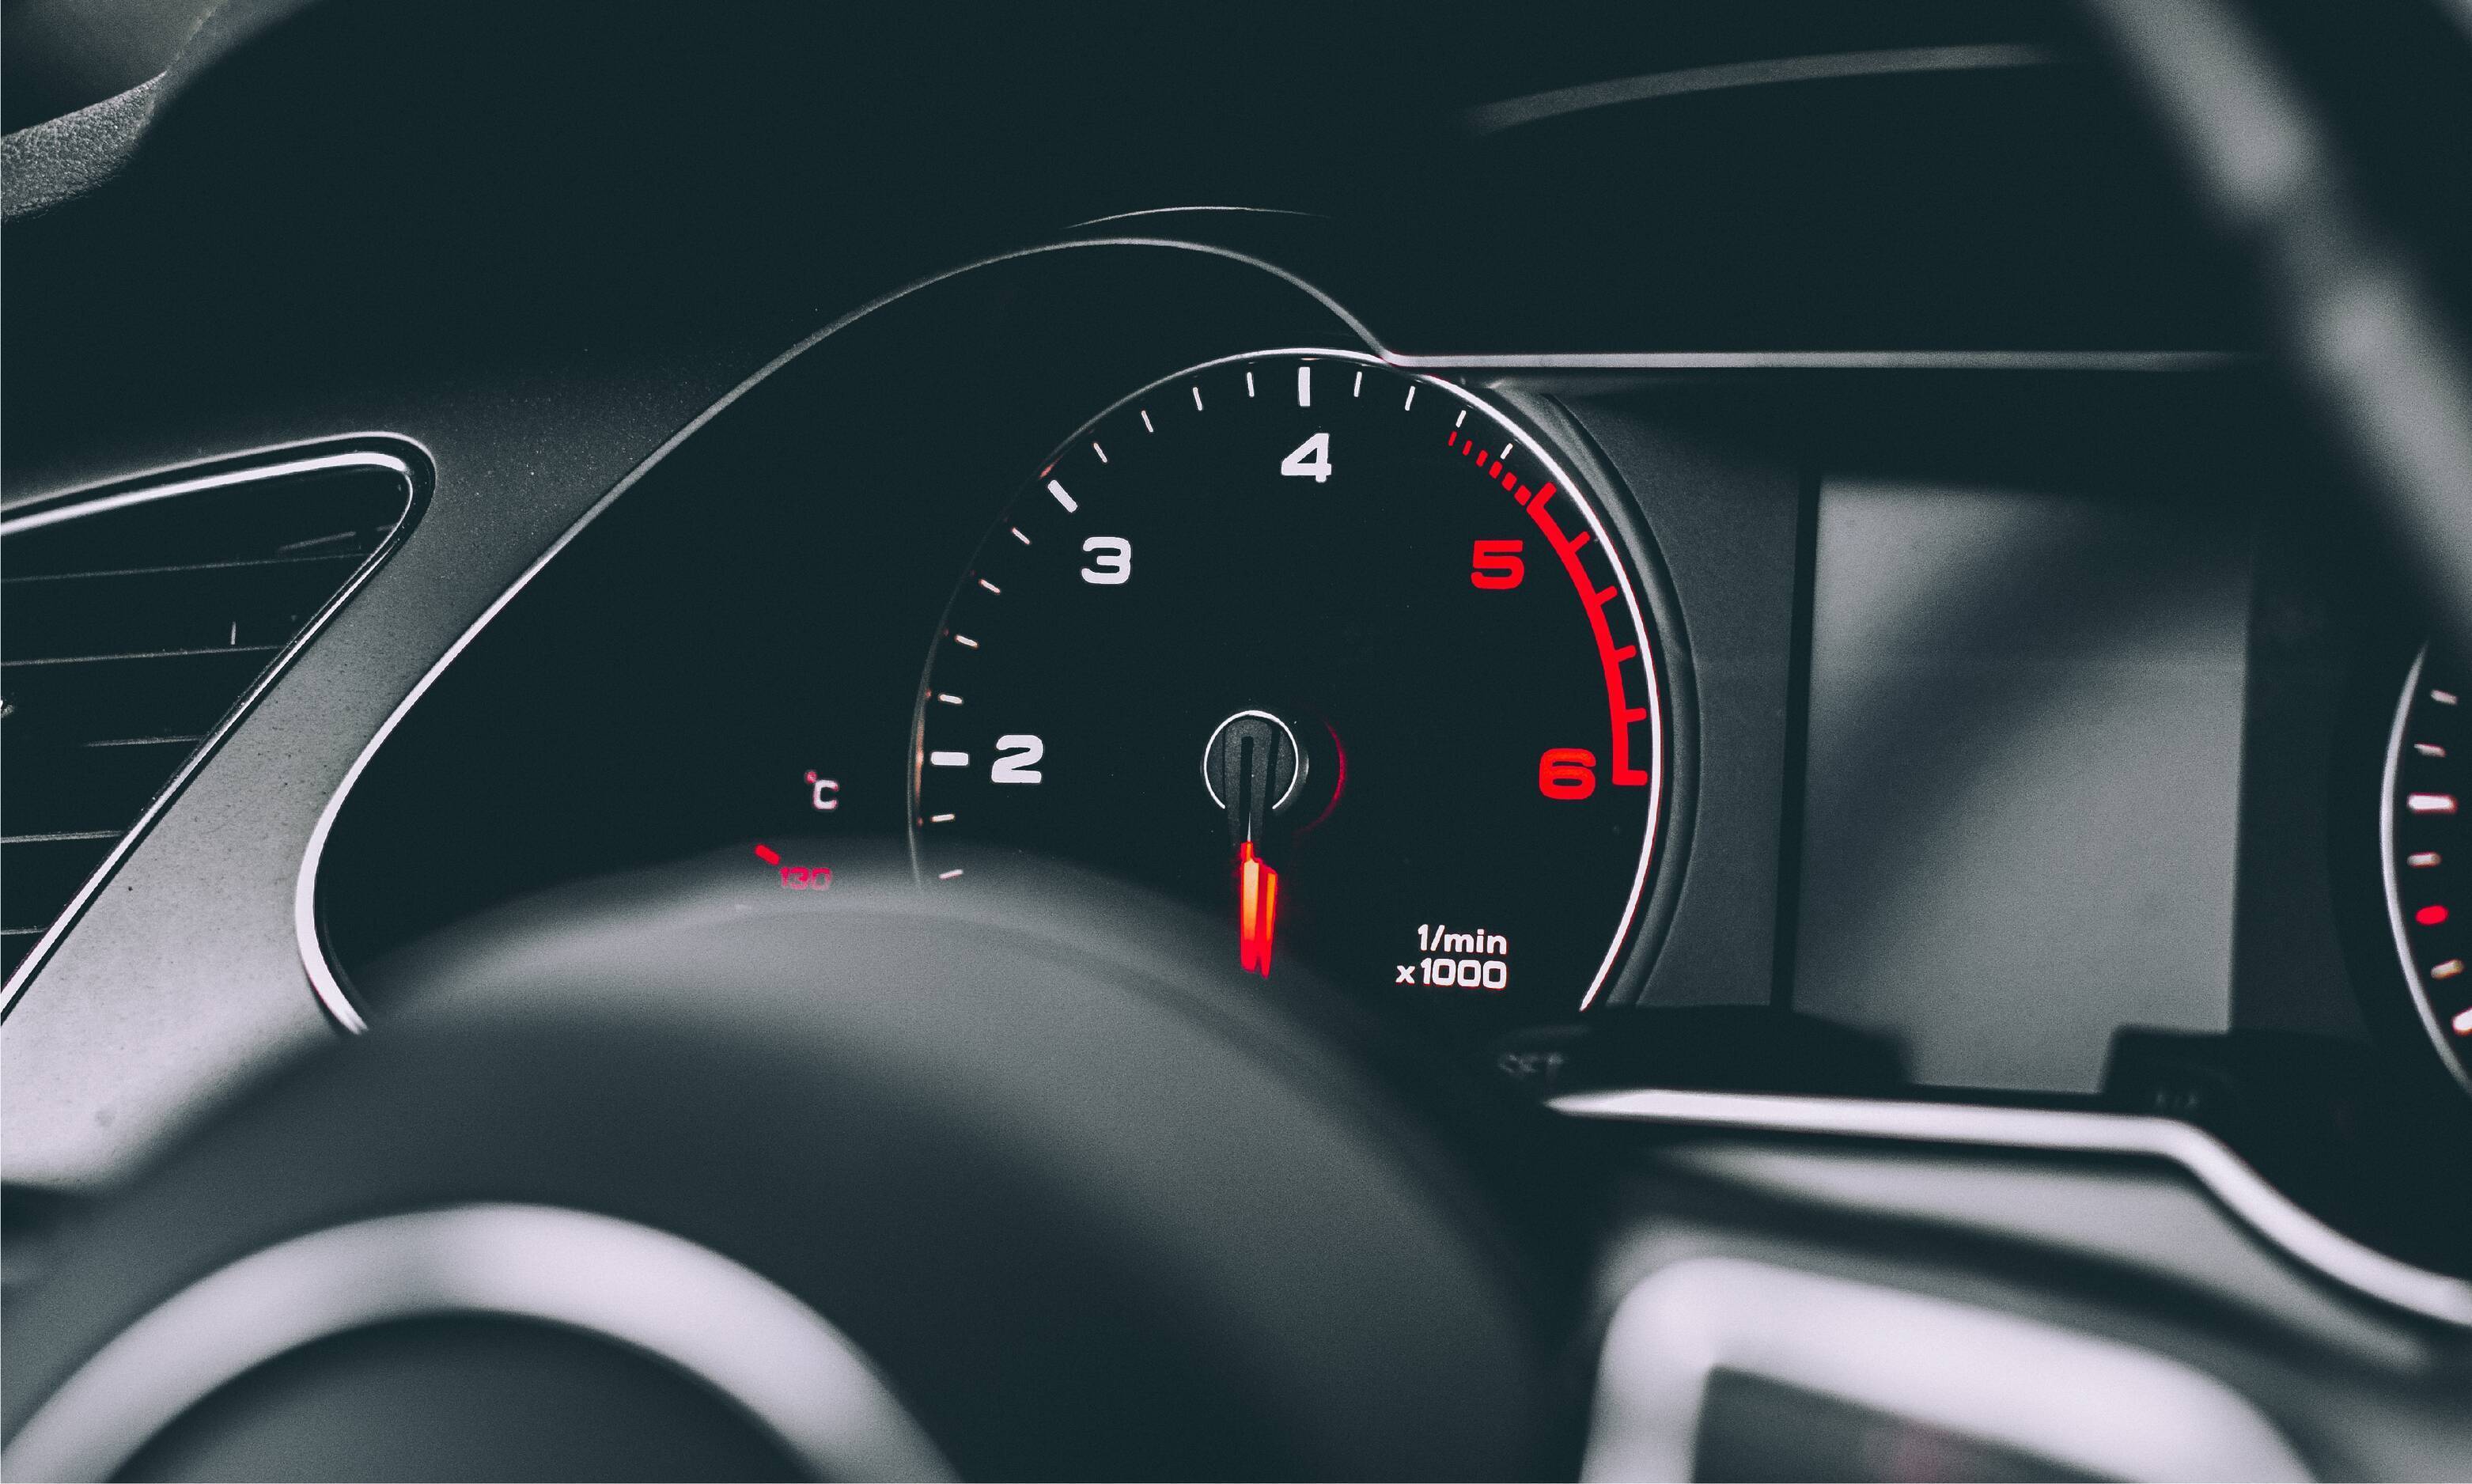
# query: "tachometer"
[[1336, 651]]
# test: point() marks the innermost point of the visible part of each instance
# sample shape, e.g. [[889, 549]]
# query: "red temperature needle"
[[1258, 910]]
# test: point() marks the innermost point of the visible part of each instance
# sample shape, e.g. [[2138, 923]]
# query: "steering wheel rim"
[[1089, 1200], [2366, 335]]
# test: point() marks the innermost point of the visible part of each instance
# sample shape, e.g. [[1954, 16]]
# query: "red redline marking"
[[2430, 916], [1521, 494], [1626, 652], [1619, 713], [768, 855]]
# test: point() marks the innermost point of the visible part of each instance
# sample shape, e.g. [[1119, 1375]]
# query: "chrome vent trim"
[[409, 467]]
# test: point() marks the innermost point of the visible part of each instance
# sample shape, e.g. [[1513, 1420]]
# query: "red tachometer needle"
[[1258, 910]]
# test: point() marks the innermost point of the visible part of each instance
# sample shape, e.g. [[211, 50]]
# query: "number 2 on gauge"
[[1015, 752]]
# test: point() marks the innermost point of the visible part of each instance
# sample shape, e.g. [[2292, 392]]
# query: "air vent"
[[134, 624]]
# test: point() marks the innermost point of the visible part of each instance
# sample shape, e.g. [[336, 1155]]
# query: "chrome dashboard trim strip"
[[795, 1375], [1493, 118], [2419, 987], [2105, 361], [52, 512], [306, 934], [2087, 1402], [2265, 1210]]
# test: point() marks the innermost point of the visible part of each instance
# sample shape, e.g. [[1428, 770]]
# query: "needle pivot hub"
[[1252, 766]]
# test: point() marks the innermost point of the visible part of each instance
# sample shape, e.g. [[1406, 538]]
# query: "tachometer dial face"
[[1336, 653], [2427, 841]]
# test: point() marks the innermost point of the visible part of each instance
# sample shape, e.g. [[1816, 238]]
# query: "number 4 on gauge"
[[1310, 460]]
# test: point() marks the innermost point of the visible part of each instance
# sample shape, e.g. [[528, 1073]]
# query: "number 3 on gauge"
[[1111, 561]]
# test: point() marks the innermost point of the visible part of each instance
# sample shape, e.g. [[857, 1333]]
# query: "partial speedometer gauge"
[[2427, 841], [1334, 653]]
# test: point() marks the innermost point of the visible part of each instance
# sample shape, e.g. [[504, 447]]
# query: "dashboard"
[[1751, 580]]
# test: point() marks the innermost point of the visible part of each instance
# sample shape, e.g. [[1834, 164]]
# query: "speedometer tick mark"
[[1196, 398], [1509, 446], [990, 587], [1249, 383], [1358, 390], [1410, 401], [1462, 418], [1304, 386], [947, 876], [948, 700], [940, 819], [965, 641], [1101, 453], [1146, 421], [1018, 535], [1056, 488]]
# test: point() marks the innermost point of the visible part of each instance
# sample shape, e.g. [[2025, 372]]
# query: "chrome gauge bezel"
[[2423, 1002]]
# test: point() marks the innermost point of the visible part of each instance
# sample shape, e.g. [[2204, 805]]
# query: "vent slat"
[[38, 875], [169, 609], [50, 788], [151, 695], [130, 631]]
